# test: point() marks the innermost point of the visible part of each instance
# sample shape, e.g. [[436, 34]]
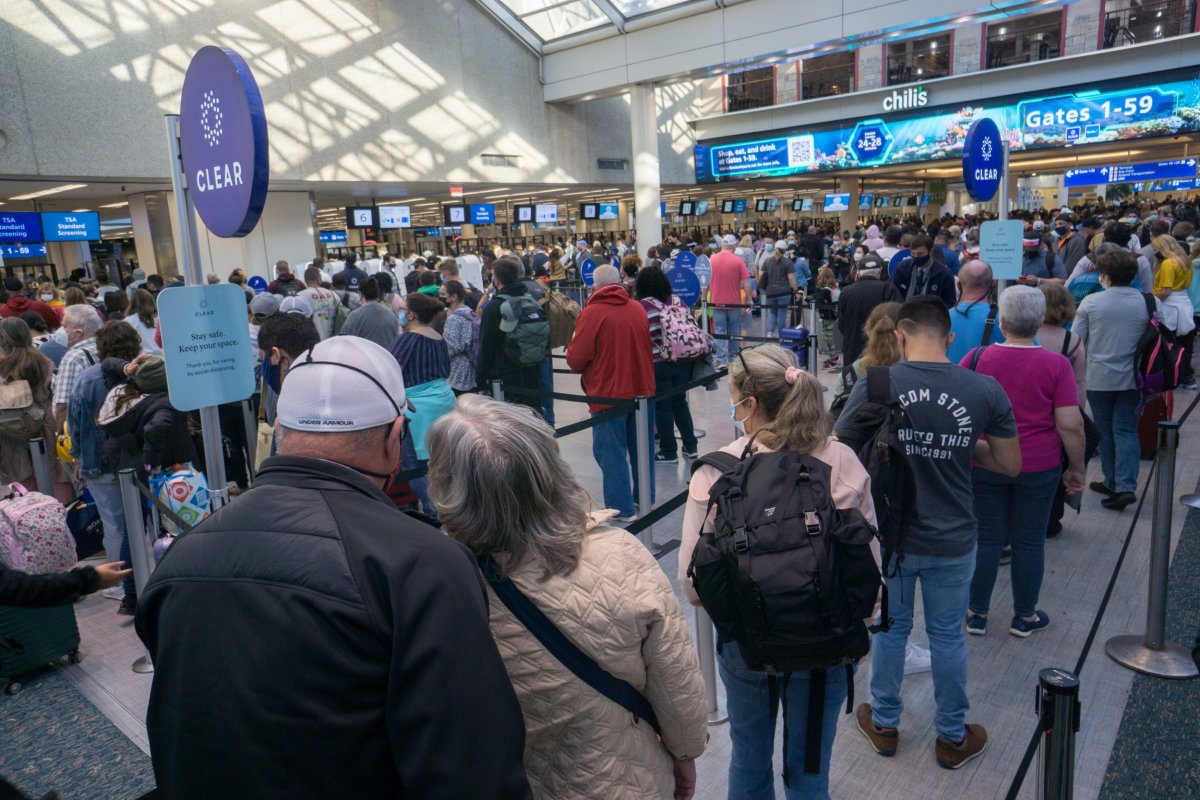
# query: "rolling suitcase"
[[31, 638], [1157, 408], [796, 340]]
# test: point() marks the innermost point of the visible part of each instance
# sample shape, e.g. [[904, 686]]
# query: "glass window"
[[562, 20], [1022, 40], [752, 88], [914, 60], [633, 7], [823, 76], [1129, 22]]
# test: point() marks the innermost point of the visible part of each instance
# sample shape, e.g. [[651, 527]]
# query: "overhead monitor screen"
[[808, 204], [864, 202], [760, 206], [483, 214], [798, 204], [726, 206], [522, 214], [391, 217], [71, 226], [332, 237], [1137, 107], [589, 211], [454, 215], [686, 208], [546, 212], [701, 208], [881, 202], [609, 211], [363, 217], [837, 202]]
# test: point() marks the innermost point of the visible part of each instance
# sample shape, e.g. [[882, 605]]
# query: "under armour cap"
[[730, 240], [296, 305], [345, 383]]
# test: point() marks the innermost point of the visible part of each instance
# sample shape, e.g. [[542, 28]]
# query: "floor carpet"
[[53, 738], [1154, 757]]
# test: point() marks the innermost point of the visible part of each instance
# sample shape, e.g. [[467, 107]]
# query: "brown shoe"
[[953, 756], [884, 740]]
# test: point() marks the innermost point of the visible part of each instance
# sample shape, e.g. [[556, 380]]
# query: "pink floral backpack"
[[34, 536], [682, 338]]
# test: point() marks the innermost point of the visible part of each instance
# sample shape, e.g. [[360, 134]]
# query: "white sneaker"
[[630, 518], [114, 593], [916, 659]]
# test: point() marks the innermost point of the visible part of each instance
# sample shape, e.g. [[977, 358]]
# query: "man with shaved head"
[[973, 320], [611, 351]]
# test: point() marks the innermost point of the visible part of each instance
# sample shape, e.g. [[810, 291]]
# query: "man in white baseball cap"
[[334, 621]]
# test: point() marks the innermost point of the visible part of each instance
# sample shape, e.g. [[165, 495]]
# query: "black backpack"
[[788, 576], [785, 574], [873, 433]]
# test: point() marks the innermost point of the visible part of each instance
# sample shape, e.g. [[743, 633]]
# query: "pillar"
[[152, 215], [848, 220], [643, 121]]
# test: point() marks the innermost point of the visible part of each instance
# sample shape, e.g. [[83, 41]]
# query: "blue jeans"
[[420, 486], [547, 385], [1014, 510], [1113, 413], [752, 729], [106, 492], [776, 309], [673, 412], [614, 446], [945, 584], [727, 322]]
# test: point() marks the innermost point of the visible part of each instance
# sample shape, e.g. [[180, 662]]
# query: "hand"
[[112, 574], [132, 366], [1074, 480], [685, 779]]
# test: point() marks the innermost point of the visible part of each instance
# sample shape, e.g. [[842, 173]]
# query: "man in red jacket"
[[611, 349], [18, 304]]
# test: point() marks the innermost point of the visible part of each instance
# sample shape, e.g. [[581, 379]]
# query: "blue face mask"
[[272, 375], [403, 318], [768, 247]]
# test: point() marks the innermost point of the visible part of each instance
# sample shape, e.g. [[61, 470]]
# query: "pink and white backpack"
[[682, 338], [34, 536]]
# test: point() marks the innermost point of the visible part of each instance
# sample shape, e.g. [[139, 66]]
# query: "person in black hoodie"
[[285, 283], [145, 432]]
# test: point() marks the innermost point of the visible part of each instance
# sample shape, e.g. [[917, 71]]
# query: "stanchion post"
[[707, 650], [1151, 653], [42, 471], [251, 425], [140, 550], [813, 338], [1058, 709], [645, 464], [498, 390]]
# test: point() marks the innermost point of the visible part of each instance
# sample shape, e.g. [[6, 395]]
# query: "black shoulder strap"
[[975, 356], [1151, 307], [990, 325], [571, 657], [724, 462], [1066, 343], [879, 385]]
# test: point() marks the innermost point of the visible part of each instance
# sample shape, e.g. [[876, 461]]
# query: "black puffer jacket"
[[311, 641], [149, 432], [51, 589]]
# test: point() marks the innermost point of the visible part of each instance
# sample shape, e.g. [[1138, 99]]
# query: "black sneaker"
[[1119, 500], [691, 453], [663, 458], [1099, 487], [128, 605]]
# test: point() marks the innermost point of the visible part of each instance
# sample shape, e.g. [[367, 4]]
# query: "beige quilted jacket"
[[618, 607]]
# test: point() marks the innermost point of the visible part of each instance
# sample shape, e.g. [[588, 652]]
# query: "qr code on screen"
[[801, 151]]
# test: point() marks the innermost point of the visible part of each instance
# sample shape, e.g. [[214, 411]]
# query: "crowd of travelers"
[[415, 595]]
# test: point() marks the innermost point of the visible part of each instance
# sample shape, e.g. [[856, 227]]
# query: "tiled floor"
[[1003, 669]]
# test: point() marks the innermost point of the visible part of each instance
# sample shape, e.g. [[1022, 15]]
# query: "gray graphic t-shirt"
[[949, 407]]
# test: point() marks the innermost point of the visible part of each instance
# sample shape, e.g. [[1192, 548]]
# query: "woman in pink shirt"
[[782, 408], [1041, 387]]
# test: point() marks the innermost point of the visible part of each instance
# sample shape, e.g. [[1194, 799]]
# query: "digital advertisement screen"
[[454, 215], [881, 202], [864, 202], [726, 206], [391, 217], [609, 211], [71, 226], [20, 226], [837, 202], [360, 217], [760, 206], [701, 208], [924, 201], [522, 214], [773, 204], [798, 204], [545, 212], [897, 202], [483, 214], [332, 237], [808, 204], [686, 208], [1166, 104], [589, 211]]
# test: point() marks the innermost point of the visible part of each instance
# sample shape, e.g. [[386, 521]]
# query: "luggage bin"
[[796, 340]]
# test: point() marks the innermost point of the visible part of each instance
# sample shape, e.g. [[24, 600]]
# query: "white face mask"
[[46, 298], [858, 256]]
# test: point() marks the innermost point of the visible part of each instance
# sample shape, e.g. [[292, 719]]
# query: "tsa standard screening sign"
[[206, 345], [223, 140]]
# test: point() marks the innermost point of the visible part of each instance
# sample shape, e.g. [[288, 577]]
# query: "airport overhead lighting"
[[66, 187]]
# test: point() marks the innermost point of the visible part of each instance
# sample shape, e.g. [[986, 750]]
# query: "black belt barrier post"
[[1058, 709], [645, 464], [140, 550], [250, 423], [813, 338], [1151, 653], [497, 390], [42, 471]]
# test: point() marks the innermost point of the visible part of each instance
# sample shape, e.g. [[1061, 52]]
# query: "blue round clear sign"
[[223, 139], [686, 259], [586, 270], [685, 284], [258, 283], [983, 160]]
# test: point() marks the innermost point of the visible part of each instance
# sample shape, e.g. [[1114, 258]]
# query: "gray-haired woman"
[[1041, 387], [502, 488]]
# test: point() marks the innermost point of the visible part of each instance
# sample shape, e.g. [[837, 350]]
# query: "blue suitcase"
[[796, 340]]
